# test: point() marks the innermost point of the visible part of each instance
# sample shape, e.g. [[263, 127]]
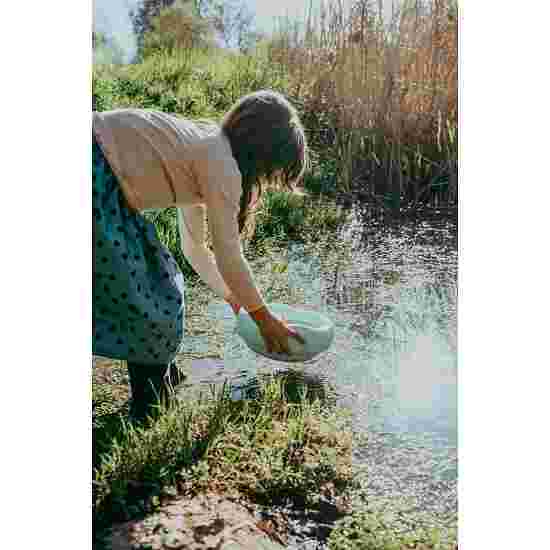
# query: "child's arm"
[[220, 185], [233, 267], [191, 225]]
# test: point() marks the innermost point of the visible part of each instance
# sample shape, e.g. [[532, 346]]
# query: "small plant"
[[379, 530]]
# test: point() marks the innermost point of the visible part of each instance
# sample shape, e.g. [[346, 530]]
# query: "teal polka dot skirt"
[[138, 288]]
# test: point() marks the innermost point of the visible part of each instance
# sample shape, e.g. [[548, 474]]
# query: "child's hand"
[[275, 332]]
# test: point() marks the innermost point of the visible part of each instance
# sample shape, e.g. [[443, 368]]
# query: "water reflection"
[[295, 385]]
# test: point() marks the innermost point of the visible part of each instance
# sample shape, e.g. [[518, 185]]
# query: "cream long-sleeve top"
[[162, 160]]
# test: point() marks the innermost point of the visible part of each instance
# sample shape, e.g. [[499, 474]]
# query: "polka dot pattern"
[[138, 288]]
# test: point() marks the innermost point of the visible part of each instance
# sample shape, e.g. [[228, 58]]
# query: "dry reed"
[[387, 89]]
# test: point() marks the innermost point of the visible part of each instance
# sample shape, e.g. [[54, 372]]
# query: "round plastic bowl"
[[316, 329]]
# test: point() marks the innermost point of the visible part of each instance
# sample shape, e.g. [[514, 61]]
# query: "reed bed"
[[380, 95]]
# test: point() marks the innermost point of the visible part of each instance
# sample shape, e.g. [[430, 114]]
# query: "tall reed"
[[381, 92]]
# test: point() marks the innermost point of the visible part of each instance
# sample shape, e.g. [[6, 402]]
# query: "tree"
[[233, 20], [177, 26], [146, 11]]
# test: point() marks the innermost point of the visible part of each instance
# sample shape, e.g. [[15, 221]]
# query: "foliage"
[[147, 10], [177, 27], [282, 216], [228, 21], [380, 110], [193, 83], [322, 179], [286, 215]]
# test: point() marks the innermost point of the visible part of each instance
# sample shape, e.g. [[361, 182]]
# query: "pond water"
[[391, 290]]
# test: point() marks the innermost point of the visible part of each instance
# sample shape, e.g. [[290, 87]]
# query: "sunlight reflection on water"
[[393, 361]]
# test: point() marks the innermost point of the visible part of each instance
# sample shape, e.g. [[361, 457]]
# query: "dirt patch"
[[203, 522]]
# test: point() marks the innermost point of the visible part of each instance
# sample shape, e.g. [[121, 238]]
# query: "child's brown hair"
[[269, 144]]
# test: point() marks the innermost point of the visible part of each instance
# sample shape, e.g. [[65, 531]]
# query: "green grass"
[[372, 529], [268, 448], [190, 83], [298, 217]]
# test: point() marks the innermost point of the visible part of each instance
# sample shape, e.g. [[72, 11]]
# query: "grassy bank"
[[266, 449]]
